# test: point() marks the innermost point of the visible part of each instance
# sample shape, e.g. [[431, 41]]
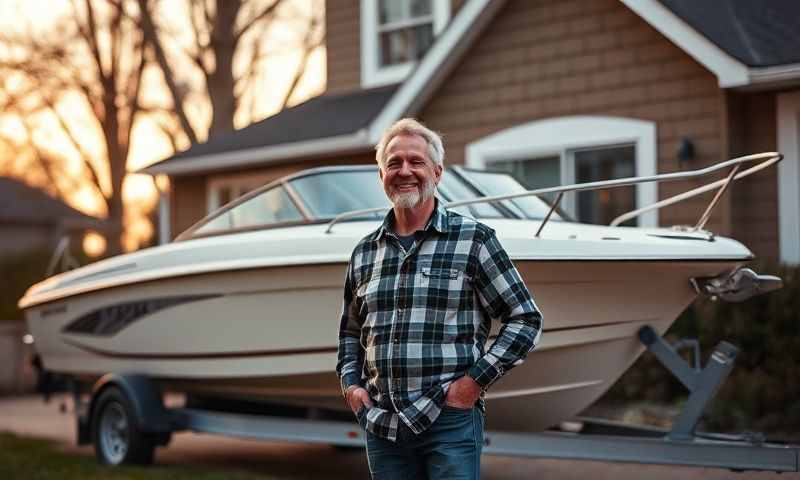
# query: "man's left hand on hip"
[[463, 393]]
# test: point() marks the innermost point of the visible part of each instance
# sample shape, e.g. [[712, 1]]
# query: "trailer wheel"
[[115, 434]]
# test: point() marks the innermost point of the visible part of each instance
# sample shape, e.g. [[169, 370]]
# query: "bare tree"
[[91, 61], [227, 50], [92, 64]]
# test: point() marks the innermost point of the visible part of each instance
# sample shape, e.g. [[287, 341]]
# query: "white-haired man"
[[419, 298]]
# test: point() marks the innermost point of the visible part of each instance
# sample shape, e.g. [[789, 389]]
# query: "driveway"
[[29, 416]]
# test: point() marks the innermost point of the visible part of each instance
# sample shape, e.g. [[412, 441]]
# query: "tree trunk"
[[221, 83]]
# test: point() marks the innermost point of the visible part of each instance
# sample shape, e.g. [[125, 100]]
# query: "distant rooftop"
[[21, 203]]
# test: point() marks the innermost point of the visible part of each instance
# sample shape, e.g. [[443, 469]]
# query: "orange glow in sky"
[[148, 143]]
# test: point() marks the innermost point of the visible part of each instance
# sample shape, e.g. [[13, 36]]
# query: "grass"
[[34, 459]]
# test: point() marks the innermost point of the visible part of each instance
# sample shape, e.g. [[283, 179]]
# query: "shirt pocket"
[[446, 289]]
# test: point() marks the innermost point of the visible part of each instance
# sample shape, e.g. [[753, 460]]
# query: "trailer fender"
[[145, 398]]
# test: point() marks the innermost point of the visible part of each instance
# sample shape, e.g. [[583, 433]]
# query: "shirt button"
[[396, 340]]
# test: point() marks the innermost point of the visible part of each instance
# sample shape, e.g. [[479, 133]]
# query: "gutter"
[[775, 74]]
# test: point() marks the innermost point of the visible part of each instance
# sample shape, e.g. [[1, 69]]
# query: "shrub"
[[20, 272], [762, 393]]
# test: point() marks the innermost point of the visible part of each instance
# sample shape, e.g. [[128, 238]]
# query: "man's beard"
[[412, 199]]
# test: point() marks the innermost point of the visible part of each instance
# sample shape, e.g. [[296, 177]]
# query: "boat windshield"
[[269, 207], [327, 194], [497, 183], [323, 195]]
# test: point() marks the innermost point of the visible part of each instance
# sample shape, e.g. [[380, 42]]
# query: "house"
[[30, 219], [555, 91]]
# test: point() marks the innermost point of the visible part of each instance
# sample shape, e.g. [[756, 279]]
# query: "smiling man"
[[419, 298]]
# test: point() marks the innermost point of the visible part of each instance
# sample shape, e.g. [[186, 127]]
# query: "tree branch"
[[310, 43], [151, 37], [266, 12]]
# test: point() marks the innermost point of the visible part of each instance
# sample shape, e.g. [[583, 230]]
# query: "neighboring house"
[[30, 219], [555, 91]]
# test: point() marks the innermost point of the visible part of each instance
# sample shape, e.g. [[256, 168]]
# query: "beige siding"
[[549, 58], [189, 193], [342, 37], [752, 120]]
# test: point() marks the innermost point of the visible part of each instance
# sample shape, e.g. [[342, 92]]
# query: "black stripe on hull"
[[110, 320]]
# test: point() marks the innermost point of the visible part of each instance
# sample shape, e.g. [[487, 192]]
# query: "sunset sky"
[[148, 142]]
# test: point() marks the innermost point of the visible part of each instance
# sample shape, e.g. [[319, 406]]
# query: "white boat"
[[246, 303]]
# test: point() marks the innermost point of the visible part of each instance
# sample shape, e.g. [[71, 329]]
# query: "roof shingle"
[[757, 33]]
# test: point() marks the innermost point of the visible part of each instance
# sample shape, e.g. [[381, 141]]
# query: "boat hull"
[[270, 333]]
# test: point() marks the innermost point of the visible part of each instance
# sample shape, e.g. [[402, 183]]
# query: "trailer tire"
[[116, 435]]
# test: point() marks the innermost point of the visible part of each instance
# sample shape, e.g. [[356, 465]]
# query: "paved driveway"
[[29, 416]]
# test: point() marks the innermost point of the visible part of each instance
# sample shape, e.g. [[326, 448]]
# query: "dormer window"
[[395, 34]]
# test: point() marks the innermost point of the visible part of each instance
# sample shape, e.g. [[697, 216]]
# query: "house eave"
[[262, 156]]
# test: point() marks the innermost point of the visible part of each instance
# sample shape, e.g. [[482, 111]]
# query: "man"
[[419, 298]]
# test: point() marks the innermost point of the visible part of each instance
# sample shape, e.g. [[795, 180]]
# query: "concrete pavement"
[[29, 416]]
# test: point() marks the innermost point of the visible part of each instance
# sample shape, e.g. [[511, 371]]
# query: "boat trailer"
[[136, 403]]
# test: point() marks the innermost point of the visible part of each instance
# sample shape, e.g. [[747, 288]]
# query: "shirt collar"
[[438, 221]]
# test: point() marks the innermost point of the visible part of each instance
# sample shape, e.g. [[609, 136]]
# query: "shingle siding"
[[544, 59], [342, 40]]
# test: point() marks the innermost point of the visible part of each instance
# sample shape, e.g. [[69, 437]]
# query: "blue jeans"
[[450, 448]]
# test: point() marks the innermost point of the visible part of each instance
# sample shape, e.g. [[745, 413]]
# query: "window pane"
[[272, 206], [602, 206], [395, 47], [420, 8], [405, 44], [329, 194], [224, 195], [392, 10], [423, 39]]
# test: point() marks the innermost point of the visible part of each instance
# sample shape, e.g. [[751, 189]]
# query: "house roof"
[[326, 116], [759, 34], [21, 203], [742, 42], [323, 125]]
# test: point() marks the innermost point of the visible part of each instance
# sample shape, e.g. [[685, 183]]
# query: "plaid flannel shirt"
[[414, 321]]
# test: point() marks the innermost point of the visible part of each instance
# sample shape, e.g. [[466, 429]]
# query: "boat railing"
[[762, 160]]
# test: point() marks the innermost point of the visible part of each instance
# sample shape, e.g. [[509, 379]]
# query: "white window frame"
[[788, 113], [560, 136], [372, 75], [247, 181]]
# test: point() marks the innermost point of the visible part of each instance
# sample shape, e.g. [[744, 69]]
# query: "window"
[[596, 164], [567, 150], [395, 34]]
